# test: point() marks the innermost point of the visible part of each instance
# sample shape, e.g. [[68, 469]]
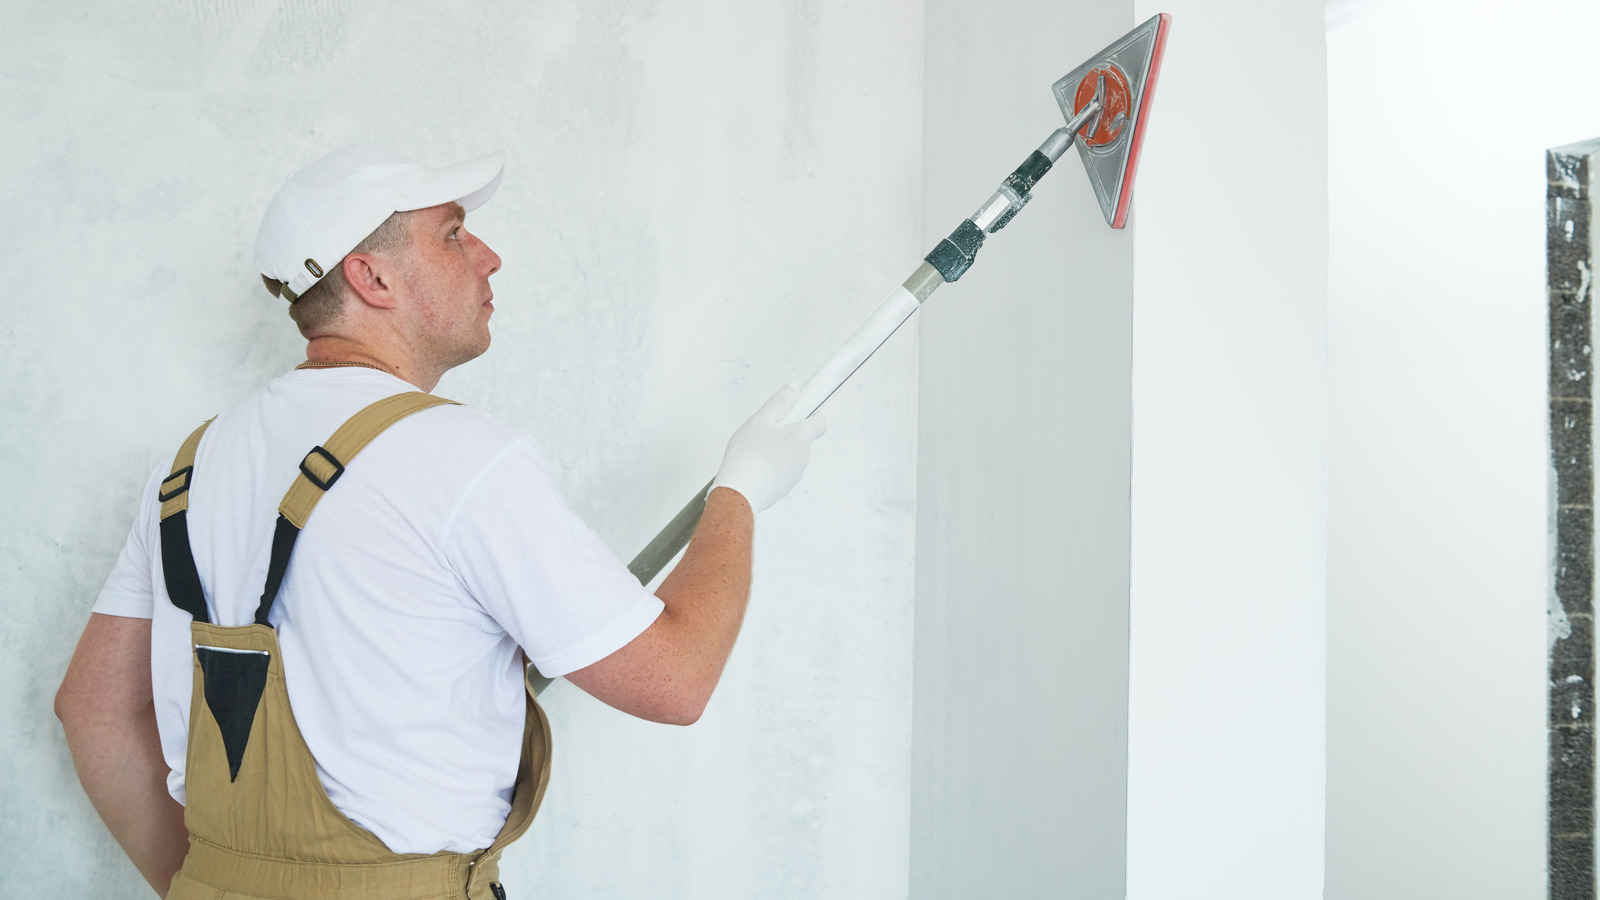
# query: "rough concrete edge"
[[1569, 264]]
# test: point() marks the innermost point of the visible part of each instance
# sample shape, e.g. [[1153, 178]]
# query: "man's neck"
[[329, 349]]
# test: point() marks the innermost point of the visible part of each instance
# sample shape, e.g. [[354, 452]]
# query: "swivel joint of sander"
[[1105, 101]]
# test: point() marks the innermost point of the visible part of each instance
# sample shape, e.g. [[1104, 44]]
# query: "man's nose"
[[491, 259]]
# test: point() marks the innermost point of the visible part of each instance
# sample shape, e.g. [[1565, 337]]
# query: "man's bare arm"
[[108, 713], [668, 672]]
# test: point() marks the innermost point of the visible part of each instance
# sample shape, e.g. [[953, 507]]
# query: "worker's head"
[[366, 232]]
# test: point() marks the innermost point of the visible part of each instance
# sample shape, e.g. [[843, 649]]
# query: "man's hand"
[[764, 459]]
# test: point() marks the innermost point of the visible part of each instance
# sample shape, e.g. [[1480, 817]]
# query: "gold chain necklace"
[[335, 365]]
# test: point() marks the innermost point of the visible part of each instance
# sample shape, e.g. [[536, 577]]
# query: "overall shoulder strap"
[[177, 558], [320, 469]]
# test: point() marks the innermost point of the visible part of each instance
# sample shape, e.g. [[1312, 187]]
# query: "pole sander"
[[1106, 102]]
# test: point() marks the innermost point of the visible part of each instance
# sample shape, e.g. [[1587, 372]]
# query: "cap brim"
[[469, 183]]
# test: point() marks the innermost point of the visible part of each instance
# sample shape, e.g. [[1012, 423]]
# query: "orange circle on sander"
[[1119, 101]]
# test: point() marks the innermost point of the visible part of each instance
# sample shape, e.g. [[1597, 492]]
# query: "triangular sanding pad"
[[1123, 76], [234, 680]]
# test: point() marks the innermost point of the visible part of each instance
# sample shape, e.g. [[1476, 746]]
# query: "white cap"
[[324, 210]]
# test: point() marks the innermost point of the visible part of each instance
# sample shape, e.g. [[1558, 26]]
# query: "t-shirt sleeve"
[[129, 591], [539, 571]]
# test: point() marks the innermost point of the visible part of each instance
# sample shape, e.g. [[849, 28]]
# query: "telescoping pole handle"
[[828, 378], [948, 261]]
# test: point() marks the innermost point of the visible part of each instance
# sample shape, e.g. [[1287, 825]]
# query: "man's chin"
[[468, 354]]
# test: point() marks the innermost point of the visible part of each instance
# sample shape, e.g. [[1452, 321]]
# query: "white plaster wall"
[[702, 199], [1225, 718], [1020, 747], [1437, 577]]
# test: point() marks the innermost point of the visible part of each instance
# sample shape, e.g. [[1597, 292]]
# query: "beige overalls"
[[260, 824]]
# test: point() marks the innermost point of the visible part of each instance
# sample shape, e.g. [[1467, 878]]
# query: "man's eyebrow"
[[457, 214]]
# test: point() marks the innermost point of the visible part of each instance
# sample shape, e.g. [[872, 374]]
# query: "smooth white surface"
[[1225, 718], [1438, 461], [1022, 505], [699, 198]]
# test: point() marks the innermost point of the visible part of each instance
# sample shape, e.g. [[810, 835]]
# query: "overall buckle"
[[338, 468], [185, 473]]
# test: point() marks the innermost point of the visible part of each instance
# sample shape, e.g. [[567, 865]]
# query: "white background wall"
[[1437, 483], [702, 199], [1225, 719], [1019, 760]]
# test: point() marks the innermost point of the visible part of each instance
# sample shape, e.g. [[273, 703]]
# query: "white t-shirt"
[[443, 547]]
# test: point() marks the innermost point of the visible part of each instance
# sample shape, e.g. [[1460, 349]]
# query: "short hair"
[[322, 305]]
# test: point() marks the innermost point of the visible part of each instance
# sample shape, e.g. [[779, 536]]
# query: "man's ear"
[[369, 278]]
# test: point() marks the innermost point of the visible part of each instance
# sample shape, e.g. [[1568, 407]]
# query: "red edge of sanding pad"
[[1125, 193]]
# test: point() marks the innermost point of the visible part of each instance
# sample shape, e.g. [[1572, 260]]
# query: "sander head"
[[1123, 78]]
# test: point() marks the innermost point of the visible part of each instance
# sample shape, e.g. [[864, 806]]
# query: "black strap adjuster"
[[338, 467], [184, 473]]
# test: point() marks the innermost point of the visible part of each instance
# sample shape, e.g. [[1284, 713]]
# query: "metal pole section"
[[667, 542]]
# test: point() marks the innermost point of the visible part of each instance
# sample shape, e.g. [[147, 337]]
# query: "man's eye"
[[455, 233]]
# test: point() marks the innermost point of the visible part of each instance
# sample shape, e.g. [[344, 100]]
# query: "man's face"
[[445, 273]]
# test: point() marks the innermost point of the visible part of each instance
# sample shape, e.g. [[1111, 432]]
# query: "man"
[[435, 559]]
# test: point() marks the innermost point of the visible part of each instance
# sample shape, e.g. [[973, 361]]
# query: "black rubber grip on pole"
[[1028, 174], [954, 255]]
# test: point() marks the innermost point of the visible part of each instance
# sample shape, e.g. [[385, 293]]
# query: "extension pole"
[[948, 262]]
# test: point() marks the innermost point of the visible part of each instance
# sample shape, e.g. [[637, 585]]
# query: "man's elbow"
[[684, 716], [68, 705], [76, 717], [79, 706], [77, 712], [684, 707]]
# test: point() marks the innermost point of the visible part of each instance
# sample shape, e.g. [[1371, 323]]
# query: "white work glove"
[[765, 459]]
